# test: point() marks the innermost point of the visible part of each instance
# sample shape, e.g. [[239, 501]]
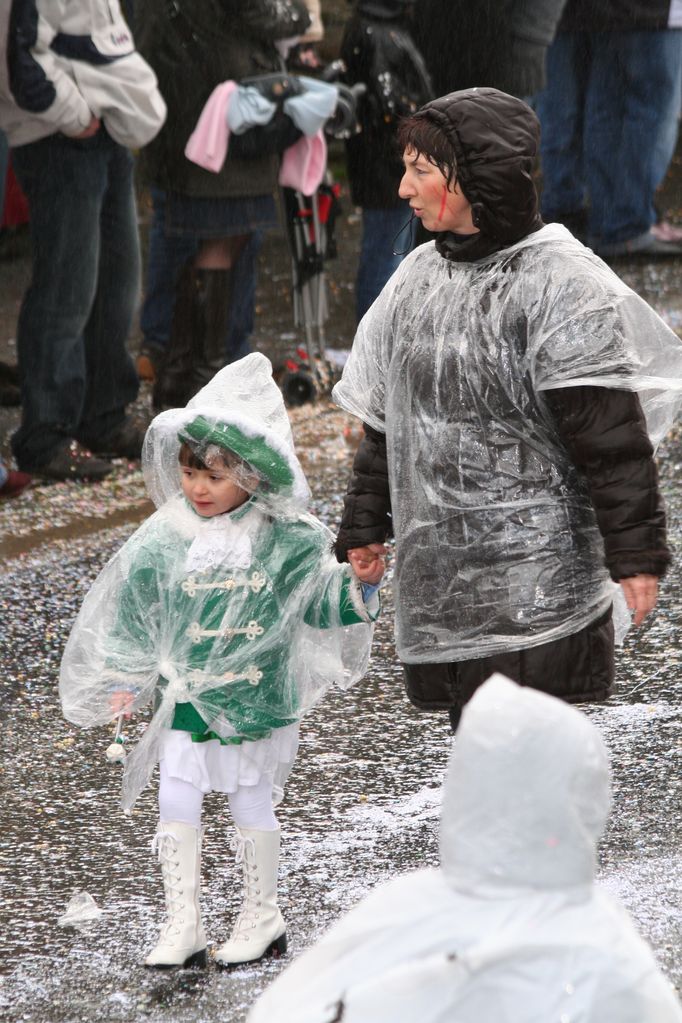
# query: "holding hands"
[[369, 563]]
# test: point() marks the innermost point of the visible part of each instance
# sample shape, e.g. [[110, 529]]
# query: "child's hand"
[[121, 702], [368, 563]]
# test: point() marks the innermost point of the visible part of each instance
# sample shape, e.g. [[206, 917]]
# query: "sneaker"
[[648, 246], [664, 231], [123, 442], [14, 484], [73, 462]]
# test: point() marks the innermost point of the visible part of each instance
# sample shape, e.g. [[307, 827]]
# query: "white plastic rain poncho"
[[497, 543], [232, 625], [512, 928]]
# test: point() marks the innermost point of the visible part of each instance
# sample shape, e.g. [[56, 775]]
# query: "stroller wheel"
[[298, 388]]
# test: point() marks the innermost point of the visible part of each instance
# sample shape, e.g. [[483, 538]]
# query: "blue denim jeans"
[[386, 240], [609, 126], [167, 255], [76, 374]]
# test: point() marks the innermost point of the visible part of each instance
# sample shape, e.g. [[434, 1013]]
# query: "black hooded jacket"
[[499, 43], [495, 139], [379, 53]]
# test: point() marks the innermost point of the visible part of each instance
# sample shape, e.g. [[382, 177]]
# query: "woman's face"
[[439, 207]]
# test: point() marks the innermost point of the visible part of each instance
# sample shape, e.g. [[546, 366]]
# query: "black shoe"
[[197, 346], [10, 396], [72, 462], [10, 390], [123, 442]]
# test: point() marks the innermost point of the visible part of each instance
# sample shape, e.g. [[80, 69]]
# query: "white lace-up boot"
[[259, 929], [182, 941]]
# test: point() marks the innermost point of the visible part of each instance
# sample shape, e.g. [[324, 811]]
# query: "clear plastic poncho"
[[233, 624], [497, 543], [511, 928]]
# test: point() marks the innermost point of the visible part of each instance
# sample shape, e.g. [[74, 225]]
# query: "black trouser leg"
[[173, 387]]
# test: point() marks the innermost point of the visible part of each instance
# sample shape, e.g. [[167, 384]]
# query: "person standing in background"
[[169, 253], [76, 99], [193, 48], [379, 52], [609, 118]]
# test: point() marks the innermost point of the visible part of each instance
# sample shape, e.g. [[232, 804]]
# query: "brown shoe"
[[148, 361]]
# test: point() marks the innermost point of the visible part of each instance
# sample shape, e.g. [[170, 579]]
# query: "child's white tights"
[[250, 806]]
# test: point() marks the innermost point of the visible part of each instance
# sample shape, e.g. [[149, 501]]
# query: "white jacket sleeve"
[[42, 74], [70, 60]]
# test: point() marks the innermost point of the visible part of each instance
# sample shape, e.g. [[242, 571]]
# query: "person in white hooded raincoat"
[[512, 390], [511, 928], [227, 611]]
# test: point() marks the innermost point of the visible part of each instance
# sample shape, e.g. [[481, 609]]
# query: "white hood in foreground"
[[511, 931]]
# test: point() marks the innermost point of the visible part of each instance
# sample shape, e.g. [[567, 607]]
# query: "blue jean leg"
[[560, 109], [112, 378], [74, 318], [385, 242], [168, 254], [165, 259], [664, 150], [633, 94]]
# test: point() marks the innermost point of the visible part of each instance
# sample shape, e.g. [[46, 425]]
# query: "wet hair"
[[420, 133], [195, 459]]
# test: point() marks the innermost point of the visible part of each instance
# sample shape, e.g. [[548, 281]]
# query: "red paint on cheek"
[[442, 203]]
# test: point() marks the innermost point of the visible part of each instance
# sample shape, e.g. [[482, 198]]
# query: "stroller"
[[310, 222]]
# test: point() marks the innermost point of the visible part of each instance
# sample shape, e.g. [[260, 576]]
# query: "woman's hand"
[[368, 563], [641, 592], [121, 702]]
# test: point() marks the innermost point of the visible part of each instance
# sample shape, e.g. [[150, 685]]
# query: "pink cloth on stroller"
[[303, 164]]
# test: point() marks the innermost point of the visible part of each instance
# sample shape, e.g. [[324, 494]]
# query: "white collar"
[[220, 541]]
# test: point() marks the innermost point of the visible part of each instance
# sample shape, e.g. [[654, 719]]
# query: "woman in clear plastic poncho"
[[513, 390], [227, 612], [511, 928]]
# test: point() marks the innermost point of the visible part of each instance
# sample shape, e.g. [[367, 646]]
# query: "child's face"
[[212, 491], [439, 206]]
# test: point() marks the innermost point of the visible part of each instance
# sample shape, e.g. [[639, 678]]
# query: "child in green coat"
[[227, 612]]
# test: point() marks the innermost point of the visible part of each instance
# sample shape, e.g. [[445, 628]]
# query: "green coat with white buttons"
[[233, 635]]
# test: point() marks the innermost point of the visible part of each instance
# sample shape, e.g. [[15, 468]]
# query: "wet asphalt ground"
[[362, 802]]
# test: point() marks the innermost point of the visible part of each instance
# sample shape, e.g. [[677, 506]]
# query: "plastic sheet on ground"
[[81, 909]]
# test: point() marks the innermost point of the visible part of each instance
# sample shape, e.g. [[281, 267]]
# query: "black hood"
[[495, 138]]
